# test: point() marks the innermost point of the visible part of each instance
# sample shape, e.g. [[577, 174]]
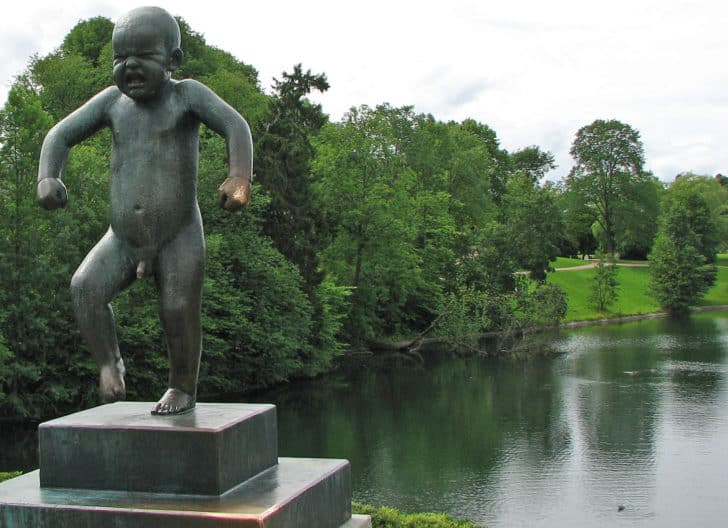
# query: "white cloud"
[[534, 71]]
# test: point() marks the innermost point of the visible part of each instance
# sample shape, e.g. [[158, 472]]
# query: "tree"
[[367, 193], [578, 220], [88, 39], [534, 223], [604, 283], [533, 161], [709, 217], [497, 156], [608, 174], [284, 167], [679, 276], [637, 223]]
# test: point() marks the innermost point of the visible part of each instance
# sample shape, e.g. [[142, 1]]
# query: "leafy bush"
[[8, 476], [604, 284], [383, 517], [679, 276]]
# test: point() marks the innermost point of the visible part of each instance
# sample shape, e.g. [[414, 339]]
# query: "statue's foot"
[[111, 382], [174, 401]]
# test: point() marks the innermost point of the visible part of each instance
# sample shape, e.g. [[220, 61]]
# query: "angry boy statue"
[[156, 227]]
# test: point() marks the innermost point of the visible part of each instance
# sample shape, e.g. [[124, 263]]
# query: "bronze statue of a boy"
[[156, 227]]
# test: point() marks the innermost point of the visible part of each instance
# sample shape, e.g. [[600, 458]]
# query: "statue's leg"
[[180, 273], [106, 270]]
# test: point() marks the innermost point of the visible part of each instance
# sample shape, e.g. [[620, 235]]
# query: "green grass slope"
[[634, 295]]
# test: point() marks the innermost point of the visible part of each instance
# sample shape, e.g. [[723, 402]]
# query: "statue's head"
[[146, 45]]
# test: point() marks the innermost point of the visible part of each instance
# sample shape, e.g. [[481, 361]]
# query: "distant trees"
[[534, 223], [368, 194], [685, 245], [609, 179], [283, 167], [533, 162], [709, 223], [385, 225], [578, 220]]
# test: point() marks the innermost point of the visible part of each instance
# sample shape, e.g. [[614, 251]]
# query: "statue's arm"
[[77, 126], [226, 121]]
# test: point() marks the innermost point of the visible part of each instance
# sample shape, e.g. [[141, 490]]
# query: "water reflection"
[[544, 443], [633, 414]]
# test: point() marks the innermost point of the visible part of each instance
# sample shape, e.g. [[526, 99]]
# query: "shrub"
[[604, 285], [8, 476], [383, 517]]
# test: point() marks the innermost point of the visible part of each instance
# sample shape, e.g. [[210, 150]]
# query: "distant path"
[[593, 263]]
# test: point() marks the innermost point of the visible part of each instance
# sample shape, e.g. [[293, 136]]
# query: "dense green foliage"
[[685, 244], [9, 475], [609, 179], [384, 517], [385, 226]]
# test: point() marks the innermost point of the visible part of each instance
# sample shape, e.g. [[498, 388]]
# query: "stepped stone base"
[[121, 446], [297, 493], [215, 467]]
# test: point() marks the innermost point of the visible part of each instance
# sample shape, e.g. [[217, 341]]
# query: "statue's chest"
[[134, 123]]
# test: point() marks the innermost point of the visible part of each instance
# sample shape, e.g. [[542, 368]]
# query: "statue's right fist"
[[52, 193]]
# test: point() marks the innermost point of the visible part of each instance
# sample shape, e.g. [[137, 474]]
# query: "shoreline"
[[637, 317]]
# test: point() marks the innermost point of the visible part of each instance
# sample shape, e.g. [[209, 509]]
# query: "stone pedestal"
[[123, 447], [117, 465]]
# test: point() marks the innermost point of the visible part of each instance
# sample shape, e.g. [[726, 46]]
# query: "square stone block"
[[296, 493], [121, 446]]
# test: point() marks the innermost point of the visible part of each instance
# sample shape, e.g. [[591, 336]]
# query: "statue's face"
[[141, 61]]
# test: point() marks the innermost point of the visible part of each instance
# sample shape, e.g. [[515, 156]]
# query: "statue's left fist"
[[51, 193], [234, 193]]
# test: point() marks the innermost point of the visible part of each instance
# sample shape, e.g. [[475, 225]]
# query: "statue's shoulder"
[[189, 87], [111, 93], [106, 98], [196, 96]]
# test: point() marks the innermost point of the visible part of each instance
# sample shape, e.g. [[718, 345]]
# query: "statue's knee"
[[78, 288], [83, 291], [176, 308]]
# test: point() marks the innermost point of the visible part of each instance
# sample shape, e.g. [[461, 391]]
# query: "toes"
[[174, 401]]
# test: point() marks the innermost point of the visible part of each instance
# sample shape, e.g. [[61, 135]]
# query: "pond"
[[630, 417]]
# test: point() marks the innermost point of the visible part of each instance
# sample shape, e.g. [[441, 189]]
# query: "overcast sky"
[[534, 71]]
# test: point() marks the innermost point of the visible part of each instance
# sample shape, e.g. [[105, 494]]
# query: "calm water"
[[634, 414]]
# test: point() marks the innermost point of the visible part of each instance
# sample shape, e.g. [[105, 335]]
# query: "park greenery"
[[604, 283], [385, 517], [385, 227]]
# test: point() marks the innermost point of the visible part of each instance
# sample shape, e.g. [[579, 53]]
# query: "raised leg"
[[180, 273], [106, 270]]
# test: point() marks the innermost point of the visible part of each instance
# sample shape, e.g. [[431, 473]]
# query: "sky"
[[534, 71]]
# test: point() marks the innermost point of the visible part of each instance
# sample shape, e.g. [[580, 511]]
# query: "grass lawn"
[[718, 294], [634, 296], [722, 259]]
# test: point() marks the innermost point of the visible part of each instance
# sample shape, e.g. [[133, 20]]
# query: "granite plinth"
[[121, 446], [297, 493]]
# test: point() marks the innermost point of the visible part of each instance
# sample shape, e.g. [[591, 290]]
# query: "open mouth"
[[134, 80]]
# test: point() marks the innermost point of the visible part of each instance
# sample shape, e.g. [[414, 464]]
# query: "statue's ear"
[[175, 59]]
